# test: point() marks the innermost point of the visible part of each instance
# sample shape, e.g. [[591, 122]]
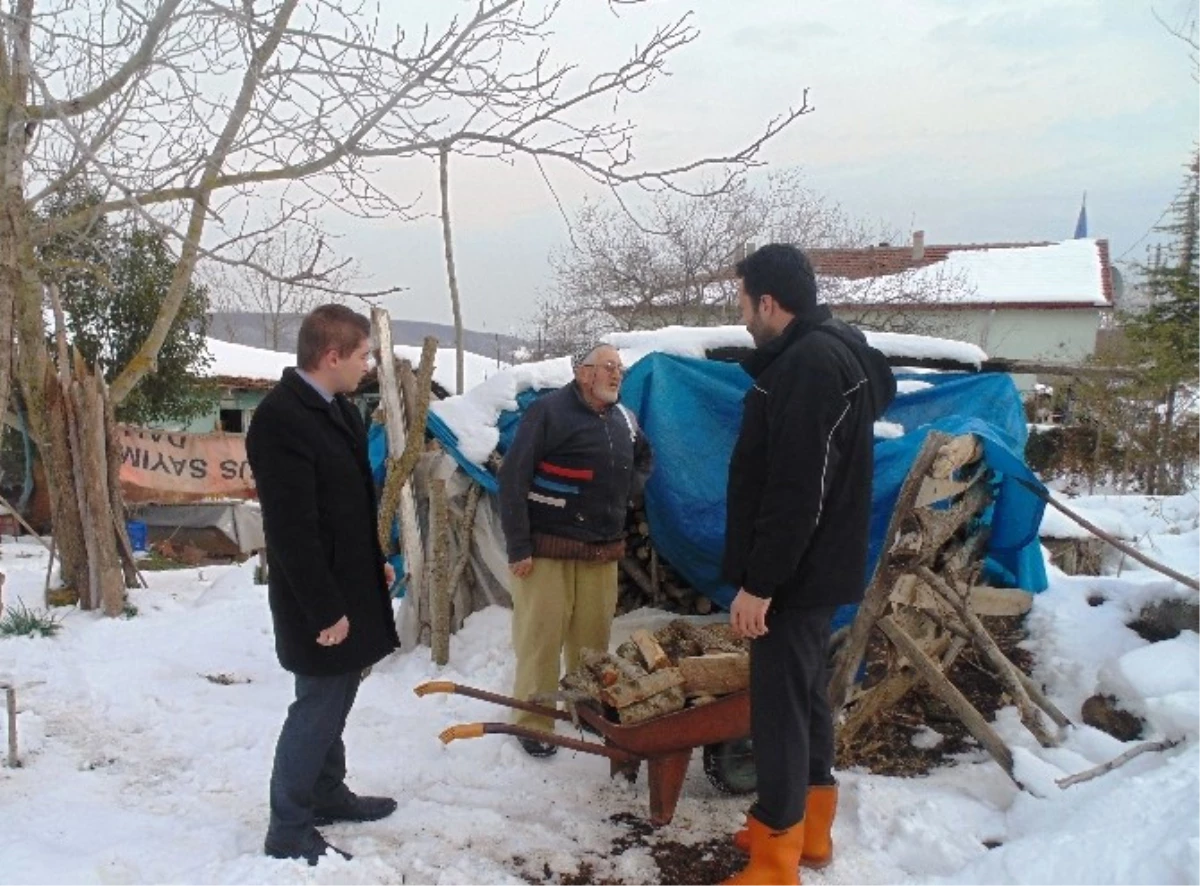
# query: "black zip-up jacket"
[[799, 496], [570, 472]]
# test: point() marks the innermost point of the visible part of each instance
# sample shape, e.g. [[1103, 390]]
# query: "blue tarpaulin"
[[691, 410]]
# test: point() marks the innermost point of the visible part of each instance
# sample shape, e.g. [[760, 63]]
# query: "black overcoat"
[[309, 459]]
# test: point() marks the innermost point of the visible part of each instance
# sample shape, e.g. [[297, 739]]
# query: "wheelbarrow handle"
[[477, 730], [483, 695]]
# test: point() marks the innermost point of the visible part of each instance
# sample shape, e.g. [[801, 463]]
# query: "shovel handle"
[[435, 686]]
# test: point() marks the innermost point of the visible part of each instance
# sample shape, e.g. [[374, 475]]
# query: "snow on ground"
[[137, 768]]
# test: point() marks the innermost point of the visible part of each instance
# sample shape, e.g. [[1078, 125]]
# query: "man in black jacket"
[[798, 508], [327, 579], [565, 486]]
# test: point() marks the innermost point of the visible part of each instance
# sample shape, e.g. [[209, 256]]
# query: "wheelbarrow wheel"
[[729, 765]]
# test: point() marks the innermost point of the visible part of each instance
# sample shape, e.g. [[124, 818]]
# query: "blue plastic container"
[[137, 534]]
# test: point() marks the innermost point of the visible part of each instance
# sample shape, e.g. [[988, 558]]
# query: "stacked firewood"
[[646, 579], [651, 674]]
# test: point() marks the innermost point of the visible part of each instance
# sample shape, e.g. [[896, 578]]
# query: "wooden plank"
[[984, 601]]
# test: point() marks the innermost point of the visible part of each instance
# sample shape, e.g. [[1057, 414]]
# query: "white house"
[[1017, 301]]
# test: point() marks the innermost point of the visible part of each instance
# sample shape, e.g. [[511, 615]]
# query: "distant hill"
[[247, 328]]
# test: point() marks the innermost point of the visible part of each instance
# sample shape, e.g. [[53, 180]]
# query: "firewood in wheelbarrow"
[[581, 680], [717, 674], [609, 669], [622, 695], [666, 702], [652, 652]]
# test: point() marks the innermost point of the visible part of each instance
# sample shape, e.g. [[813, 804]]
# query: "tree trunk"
[[64, 507]]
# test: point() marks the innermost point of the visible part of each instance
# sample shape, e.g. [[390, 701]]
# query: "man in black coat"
[[798, 511], [327, 578]]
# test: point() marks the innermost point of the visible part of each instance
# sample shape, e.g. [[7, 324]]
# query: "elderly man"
[[565, 486]]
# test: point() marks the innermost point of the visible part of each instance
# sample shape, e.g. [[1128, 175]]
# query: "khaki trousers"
[[561, 608]]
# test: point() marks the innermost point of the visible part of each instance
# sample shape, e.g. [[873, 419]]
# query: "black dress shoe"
[[311, 850], [355, 809], [535, 748]]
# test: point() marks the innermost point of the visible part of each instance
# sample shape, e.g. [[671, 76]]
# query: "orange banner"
[[162, 466]]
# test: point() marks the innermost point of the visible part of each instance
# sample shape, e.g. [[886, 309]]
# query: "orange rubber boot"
[[820, 807], [774, 856]]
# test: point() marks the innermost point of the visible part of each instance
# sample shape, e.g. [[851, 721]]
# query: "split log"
[[610, 669], [717, 674], [666, 702], [638, 575], [933, 677], [652, 652], [623, 694], [954, 454]]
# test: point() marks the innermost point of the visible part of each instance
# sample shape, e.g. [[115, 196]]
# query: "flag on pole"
[[1081, 222]]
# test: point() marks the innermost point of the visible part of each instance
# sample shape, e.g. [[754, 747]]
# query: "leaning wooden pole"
[[1111, 539], [439, 583], [949, 693]]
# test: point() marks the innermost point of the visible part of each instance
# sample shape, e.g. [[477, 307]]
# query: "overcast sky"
[[975, 121]]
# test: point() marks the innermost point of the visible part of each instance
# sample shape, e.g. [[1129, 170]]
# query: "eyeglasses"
[[610, 366]]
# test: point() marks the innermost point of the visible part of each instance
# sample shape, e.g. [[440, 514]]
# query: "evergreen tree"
[[112, 282]]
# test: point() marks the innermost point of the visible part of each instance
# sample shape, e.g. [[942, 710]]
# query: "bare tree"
[[671, 264], [222, 123], [291, 257], [901, 302]]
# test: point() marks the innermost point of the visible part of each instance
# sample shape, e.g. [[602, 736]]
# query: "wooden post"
[[10, 706], [395, 422], [439, 527]]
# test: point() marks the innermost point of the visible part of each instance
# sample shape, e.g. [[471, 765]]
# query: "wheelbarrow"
[[665, 742]]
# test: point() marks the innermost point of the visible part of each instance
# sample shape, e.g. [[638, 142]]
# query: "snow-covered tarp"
[[471, 422]]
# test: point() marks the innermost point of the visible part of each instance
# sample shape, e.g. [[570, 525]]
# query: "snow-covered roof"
[[230, 360], [1073, 273], [473, 416], [259, 364]]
